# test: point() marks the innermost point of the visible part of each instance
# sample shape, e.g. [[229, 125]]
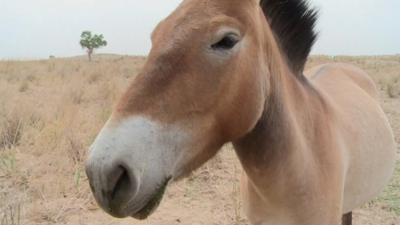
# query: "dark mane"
[[292, 22]]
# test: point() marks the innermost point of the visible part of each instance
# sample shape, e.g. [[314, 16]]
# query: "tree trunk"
[[90, 52]]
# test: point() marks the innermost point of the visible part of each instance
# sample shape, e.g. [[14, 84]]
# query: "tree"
[[91, 42]]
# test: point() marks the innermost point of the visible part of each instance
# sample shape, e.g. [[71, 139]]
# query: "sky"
[[40, 28]]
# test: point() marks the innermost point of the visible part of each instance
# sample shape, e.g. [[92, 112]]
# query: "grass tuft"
[[11, 215], [390, 198], [11, 131]]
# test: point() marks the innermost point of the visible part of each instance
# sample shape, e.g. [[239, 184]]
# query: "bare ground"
[[51, 110]]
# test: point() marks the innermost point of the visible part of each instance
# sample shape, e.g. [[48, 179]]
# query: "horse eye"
[[226, 43]]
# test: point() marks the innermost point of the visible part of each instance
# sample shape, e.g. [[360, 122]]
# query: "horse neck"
[[291, 121]]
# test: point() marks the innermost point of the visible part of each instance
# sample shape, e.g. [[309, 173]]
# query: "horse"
[[314, 145]]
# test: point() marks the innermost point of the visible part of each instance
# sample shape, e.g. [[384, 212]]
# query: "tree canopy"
[[91, 42]]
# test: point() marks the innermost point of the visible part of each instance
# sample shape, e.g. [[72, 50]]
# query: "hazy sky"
[[39, 28]]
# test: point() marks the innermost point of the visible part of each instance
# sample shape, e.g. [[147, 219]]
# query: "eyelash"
[[226, 43]]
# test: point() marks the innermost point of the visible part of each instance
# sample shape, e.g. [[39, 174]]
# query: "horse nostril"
[[122, 182], [113, 186], [123, 185]]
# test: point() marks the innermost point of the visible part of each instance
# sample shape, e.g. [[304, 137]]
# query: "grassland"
[[51, 110]]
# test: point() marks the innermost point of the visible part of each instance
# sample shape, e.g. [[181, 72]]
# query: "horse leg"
[[347, 219]]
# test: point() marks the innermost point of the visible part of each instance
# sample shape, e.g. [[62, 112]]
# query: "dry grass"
[[51, 111], [11, 215], [393, 87], [11, 131]]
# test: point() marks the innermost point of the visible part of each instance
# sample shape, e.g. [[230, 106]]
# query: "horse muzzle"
[[130, 164]]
